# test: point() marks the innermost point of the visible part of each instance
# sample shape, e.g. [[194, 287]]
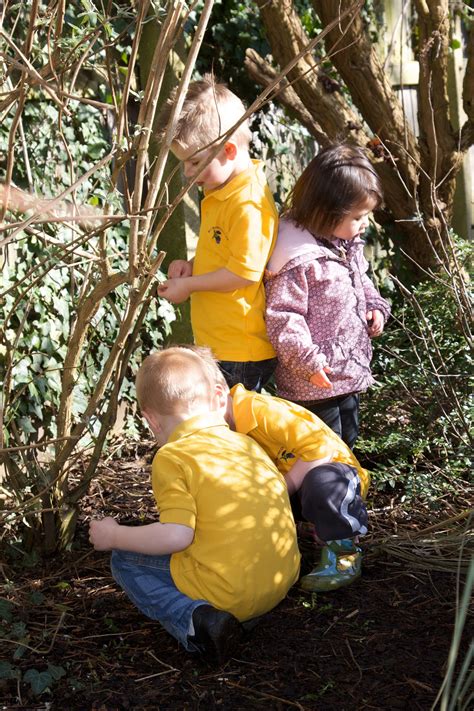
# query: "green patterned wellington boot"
[[340, 565]]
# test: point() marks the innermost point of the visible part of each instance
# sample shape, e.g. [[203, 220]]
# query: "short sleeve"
[[170, 482], [251, 238]]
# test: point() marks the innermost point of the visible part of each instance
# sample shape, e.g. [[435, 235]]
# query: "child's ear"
[[230, 150], [153, 423], [220, 394]]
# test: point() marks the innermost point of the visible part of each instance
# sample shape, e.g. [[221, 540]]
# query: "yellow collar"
[[197, 423], [236, 183]]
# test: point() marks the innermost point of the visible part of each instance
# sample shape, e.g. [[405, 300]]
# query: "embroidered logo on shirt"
[[216, 234], [283, 454]]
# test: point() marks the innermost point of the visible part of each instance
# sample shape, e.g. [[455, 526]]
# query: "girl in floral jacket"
[[322, 308]]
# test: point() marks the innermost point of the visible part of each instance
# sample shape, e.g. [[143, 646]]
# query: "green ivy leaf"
[[19, 652], [96, 150], [8, 671], [26, 425], [19, 630], [6, 610], [56, 672], [37, 598], [39, 681]]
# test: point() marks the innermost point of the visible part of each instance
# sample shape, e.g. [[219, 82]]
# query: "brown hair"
[[339, 179], [172, 379], [210, 109]]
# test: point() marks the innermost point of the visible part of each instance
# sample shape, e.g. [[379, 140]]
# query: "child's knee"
[[331, 499]]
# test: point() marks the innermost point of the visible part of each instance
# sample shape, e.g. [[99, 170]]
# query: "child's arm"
[[179, 289], [378, 309], [250, 238], [153, 539]]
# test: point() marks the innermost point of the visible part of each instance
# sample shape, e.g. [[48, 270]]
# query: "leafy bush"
[[72, 313], [417, 422]]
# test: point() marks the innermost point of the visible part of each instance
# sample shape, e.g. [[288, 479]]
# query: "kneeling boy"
[[326, 483], [225, 549]]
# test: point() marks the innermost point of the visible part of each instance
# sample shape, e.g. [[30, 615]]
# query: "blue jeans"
[[147, 581], [253, 374], [341, 414]]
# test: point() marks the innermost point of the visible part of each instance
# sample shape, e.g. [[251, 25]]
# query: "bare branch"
[[262, 73]]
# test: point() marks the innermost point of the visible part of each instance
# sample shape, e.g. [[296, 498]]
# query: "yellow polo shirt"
[[238, 230], [288, 432], [244, 556]]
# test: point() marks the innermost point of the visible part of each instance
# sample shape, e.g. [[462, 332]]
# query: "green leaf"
[[8, 671], [61, 307], [56, 672], [6, 610], [39, 681], [19, 652], [19, 630], [26, 425], [96, 150], [63, 585], [37, 598]]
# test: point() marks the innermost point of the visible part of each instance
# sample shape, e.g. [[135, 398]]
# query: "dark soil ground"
[[381, 643]]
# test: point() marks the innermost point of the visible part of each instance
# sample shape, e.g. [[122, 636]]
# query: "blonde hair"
[[210, 109], [207, 357], [171, 380]]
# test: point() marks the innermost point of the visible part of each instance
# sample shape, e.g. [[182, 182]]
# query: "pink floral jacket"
[[318, 294]]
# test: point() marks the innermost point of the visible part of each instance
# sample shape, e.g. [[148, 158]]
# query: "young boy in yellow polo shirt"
[[326, 483], [213, 560], [238, 229]]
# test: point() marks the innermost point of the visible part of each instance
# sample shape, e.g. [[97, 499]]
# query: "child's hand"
[[175, 290], [375, 322], [320, 378], [180, 268], [102, 533]]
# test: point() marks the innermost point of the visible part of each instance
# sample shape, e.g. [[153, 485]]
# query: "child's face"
[[217, 173], [355, 223]]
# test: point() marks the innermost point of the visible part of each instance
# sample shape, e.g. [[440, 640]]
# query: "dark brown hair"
[[339, 179]]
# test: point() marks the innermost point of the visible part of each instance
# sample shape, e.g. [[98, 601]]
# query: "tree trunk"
[[418, 175], [183, 226]]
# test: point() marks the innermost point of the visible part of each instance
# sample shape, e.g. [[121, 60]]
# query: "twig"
[[353, 659], [265, 695], [18, 643], [168, 669]]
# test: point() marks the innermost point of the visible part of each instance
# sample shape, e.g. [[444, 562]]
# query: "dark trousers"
[[330, 499], [252, 374], [341, 414]]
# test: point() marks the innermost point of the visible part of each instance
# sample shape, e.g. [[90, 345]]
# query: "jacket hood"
[[296, 246]]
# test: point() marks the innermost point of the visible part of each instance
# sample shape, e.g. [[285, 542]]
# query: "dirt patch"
[[381, 643]]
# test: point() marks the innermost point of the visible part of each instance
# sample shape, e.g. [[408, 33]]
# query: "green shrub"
[[417, 420]]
